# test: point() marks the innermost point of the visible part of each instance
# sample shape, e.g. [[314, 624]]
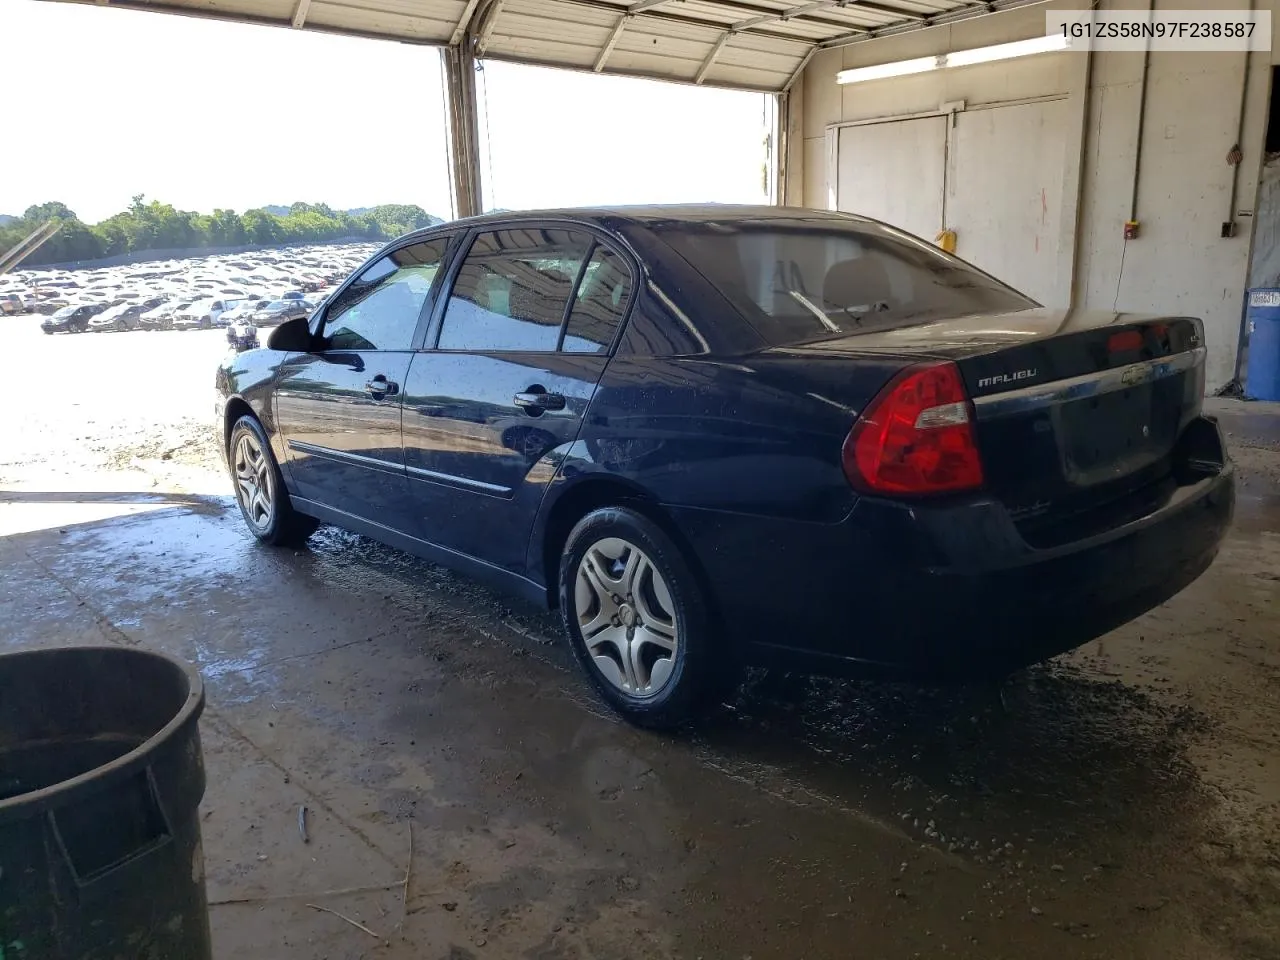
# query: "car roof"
[[644, 214]]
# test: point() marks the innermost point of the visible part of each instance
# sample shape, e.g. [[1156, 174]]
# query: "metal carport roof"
[[744, 44]]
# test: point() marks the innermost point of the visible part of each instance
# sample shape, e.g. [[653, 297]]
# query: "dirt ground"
[[468, 798]]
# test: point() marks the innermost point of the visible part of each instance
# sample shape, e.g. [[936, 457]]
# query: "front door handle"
[[380, 386], [537, 402]]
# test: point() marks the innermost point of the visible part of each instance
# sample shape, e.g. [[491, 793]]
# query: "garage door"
[[1001, 169], [1004, 192], [893, 172]]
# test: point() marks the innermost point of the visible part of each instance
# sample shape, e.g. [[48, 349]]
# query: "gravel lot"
[[1122, 802]]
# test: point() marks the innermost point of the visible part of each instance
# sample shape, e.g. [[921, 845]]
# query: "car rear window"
[[801, 280]]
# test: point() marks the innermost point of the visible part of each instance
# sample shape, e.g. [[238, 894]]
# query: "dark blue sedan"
[[719, 435]]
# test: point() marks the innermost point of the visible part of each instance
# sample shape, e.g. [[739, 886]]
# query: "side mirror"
[[292, 336]]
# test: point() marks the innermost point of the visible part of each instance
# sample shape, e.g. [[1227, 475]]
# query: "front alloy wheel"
[[260, 492], [255, 485]]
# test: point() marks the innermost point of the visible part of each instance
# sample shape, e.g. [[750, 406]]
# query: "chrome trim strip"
[[417, 473], [341, 456], [1088, 385]]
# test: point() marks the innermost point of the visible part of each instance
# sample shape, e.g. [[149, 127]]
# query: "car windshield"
[[63, 313], [798, 280]]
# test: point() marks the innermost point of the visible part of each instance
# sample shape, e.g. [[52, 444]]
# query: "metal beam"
[[300, 13], [771, 16], [795, 74], [610, 43], [491, 14], [912, 21], [464, 21], [711, 57], [780, 145], [464, 129], [28, 245], [887, 11], [683, 18], [628, 72], [784, 15]]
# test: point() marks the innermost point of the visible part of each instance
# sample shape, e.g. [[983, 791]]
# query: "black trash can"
[[101, 776]]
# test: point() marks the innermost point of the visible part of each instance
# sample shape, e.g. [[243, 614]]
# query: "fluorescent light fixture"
[[1007, 51], [960, 58], [881, 71]]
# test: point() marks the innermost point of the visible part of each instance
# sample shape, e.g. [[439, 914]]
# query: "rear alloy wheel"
[[636, 618], [260, 493]]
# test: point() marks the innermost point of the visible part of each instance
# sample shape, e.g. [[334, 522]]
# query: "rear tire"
[[260, 491], [637, 619]]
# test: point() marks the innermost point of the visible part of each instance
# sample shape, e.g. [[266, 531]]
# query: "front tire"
[[260, 492], [637, 619]]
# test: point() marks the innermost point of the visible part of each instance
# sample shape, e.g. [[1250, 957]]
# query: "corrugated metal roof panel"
[[432, 24], [561, 12], [670, 39], [547, 41], [250, 9]]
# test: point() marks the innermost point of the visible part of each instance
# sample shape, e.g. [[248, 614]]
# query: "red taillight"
[[916, 437], [1124, 341]]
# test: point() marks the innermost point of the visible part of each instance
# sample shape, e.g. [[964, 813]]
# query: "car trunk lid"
[[1078, 414]]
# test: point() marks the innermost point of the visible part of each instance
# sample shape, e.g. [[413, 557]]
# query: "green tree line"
[[159, 226]]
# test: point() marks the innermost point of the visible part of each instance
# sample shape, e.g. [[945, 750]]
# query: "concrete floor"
[[1118, 803]]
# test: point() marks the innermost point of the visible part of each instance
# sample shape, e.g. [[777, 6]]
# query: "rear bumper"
[[939, 593]]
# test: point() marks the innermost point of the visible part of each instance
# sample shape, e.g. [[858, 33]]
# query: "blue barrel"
[[1262, 377]]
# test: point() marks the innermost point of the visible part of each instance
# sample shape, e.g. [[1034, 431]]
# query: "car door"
[[338, 408], [514, 354]]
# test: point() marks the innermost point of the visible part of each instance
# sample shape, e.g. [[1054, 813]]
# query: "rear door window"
[[513, 290], [599, 303]]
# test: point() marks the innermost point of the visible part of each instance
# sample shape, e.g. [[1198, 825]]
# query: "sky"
[[204, 114]]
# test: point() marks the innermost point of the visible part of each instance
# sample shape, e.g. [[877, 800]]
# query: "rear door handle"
[[539, 401], [381, 386]]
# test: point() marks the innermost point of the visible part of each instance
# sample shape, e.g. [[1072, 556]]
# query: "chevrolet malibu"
[[720, 435]]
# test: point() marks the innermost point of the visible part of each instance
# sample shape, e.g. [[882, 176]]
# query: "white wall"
[[1179, 264]]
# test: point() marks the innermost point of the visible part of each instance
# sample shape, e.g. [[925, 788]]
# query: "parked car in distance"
[[106, 320], [49, 301], [15, 303], [202, 314], [71, 319], [161, 317], [278, 311], [239, 310], [123, 316], [716, 435]]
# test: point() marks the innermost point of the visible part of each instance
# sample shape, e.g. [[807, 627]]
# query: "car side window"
[[380, 310], [601, 299], [512, 290]]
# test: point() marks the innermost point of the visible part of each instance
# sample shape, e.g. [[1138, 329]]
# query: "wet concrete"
[[468, 797]]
